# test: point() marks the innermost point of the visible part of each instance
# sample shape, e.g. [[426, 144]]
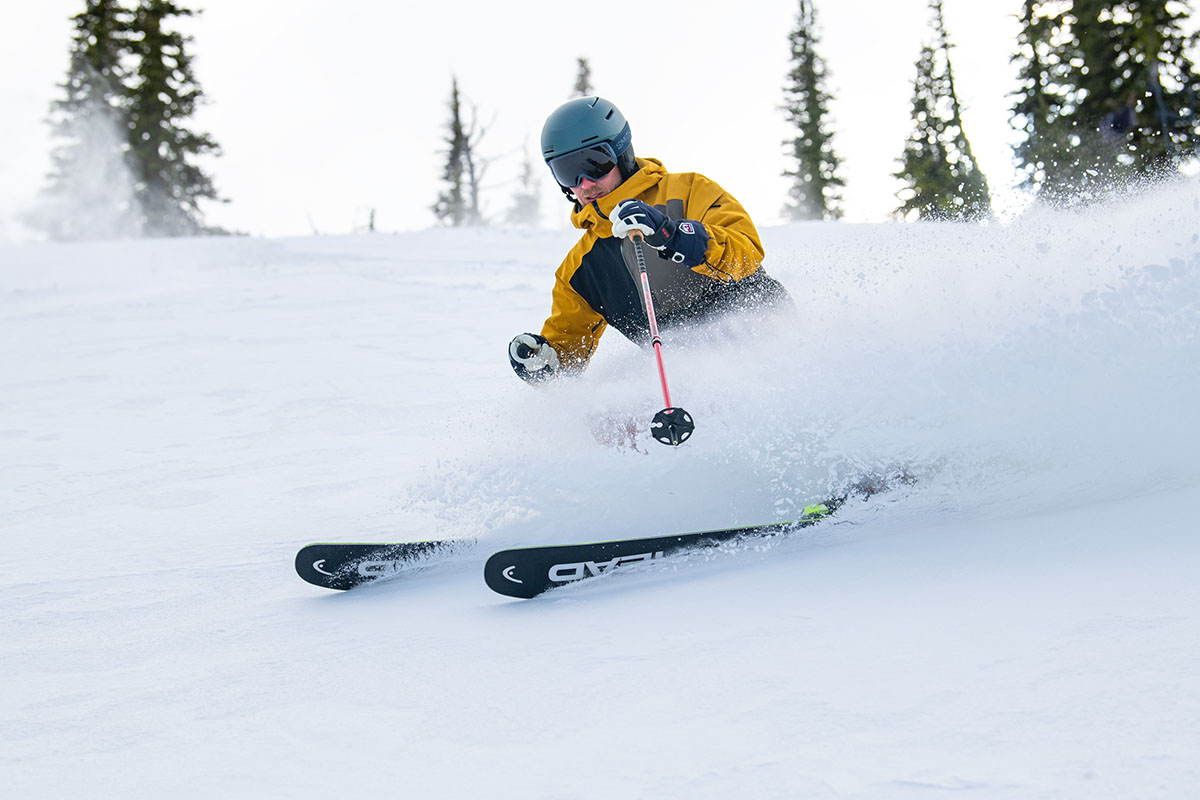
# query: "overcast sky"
[[325, 114]]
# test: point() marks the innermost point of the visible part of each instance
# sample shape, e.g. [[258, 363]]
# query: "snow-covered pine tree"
[[942, 179], [815, 191]]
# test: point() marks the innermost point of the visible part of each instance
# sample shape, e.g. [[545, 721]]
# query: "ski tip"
[[504, 575], [312, 564]]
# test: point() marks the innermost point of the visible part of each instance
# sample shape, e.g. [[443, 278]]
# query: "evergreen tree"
[[815, 191], [1040, 99], [163, 95], [1170, 131], [1125, 97], [942, 179], [458, 204], [583, 80], [89, 192], [526, 206]]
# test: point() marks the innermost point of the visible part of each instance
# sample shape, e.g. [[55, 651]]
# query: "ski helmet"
[[583, 125]]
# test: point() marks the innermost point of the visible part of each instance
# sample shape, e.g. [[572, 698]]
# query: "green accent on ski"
[[816, 511]]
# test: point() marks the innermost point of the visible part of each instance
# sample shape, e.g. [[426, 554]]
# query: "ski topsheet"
[[526, 572], [520, 572], [344, 566]]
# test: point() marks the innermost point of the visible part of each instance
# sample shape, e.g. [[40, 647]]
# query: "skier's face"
[[589, 191]]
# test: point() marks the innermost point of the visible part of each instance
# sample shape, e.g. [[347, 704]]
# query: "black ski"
[[344, 566], [526, 572]]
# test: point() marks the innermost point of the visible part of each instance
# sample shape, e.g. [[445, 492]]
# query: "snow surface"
[[177, 418]]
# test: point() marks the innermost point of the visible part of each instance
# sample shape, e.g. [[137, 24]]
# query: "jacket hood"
[[594, 216]]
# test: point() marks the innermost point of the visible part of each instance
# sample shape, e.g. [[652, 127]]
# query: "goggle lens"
[[593, 162]]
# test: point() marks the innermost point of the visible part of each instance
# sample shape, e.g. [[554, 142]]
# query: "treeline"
[[1107, 94]]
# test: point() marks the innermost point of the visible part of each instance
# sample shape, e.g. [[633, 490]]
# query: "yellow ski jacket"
[[598, 283]]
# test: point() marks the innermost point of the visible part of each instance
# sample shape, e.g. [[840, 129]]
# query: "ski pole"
[[672, 425]]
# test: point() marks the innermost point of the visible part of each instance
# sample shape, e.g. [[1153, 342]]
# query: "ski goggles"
[[591, 162]]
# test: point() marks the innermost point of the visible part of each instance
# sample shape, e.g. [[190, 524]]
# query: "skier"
[[709, 253]]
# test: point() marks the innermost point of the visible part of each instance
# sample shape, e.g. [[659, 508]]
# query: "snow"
[[178, 417]]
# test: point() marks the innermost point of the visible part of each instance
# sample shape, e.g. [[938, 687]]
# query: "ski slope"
[[178, 417]]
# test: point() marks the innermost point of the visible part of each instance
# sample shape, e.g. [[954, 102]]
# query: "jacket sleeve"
[[735, 250], [573, 327]]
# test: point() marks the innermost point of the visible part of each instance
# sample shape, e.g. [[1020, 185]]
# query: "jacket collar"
[[594, 216]]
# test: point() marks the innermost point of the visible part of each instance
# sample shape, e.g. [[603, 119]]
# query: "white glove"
[[532, 357], [634, 215]]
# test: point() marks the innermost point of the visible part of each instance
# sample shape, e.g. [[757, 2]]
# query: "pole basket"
[[672, 426]]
